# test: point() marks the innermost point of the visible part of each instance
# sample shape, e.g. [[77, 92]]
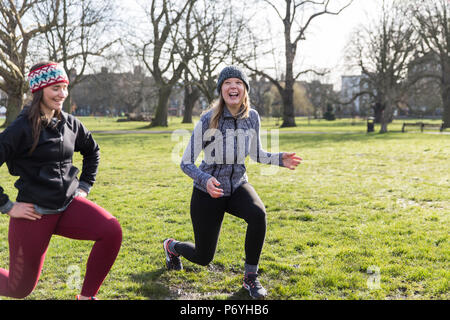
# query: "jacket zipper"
[[235, 154], [219, 167], [61, 149]]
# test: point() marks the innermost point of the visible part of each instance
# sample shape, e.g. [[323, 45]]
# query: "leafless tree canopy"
[[18, 27], [383, 51], [296, 17], [183, 44], [432, 21], [218, 30], [165, 53], [78, 36]]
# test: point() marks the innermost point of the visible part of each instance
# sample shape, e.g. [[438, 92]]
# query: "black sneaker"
[[254, 287], [173, 261]]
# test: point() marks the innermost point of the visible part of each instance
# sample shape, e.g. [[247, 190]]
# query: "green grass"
[[304, 124], [357, 202]]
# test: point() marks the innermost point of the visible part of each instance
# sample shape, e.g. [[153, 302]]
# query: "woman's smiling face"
[[53, 97], [233, 92]]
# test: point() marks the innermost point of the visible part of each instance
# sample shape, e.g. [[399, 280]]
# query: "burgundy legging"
[[28, 243]]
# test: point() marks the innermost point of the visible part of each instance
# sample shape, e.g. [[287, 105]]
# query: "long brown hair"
[[218, 106], [35, 116]]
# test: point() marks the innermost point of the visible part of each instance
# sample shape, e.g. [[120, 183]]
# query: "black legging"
[[207, 214]]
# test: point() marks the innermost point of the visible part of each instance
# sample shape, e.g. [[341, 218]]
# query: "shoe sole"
[[246, 287]]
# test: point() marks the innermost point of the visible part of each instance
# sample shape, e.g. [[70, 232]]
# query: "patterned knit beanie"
[[232, 72], [47, 75]]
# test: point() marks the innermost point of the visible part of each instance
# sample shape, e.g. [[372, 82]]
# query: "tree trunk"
[[160, 119], [288, 91], [446, 114], [67, 105], [288, 107], [386, 117], [13, 106], [378, 112], [191, 95]]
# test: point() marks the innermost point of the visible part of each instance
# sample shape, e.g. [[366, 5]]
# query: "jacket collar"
[[63, 117], [228, 114], [56, 124]]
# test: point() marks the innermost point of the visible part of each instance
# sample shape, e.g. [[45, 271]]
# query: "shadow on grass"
[[332, 124], [151, 286], [241, 294]]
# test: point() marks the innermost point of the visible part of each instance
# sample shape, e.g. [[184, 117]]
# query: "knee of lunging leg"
[[21, 294], [113, 230], [257, 216], [205, 261]]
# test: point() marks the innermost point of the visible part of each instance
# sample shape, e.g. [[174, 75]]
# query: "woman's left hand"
[[290, 160]]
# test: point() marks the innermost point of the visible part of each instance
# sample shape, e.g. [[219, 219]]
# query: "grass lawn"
[[366, 216], [304, 124]]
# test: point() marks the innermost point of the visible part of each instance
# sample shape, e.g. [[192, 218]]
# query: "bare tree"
[[17, 29], [168, 51], [296, 17], [75, 44], [217, 31], [216, 34], [383, 51], [433, 25], [191, 95]]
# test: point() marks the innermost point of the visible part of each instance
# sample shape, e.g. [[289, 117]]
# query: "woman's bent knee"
[[20, 293], [204, 261], [257, 216], [113, 228]]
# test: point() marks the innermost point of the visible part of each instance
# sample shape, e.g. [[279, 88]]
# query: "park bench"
[[423, 125]]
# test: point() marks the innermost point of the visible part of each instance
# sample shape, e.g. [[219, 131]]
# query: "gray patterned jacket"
[[225, 150]]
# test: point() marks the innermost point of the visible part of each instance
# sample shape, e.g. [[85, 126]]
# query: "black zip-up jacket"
[[47, 177]]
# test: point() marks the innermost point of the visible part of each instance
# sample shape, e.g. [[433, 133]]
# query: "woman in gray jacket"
[[227, 133]]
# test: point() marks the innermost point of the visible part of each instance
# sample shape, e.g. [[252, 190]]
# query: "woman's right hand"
[[212, 189], [22, 210]]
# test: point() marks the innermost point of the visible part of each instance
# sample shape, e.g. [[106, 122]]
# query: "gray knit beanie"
[[232, 72]]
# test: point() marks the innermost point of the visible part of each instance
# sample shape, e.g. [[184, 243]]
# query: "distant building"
[[108, 93]]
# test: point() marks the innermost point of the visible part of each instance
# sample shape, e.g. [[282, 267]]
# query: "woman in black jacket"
[[38, 148]]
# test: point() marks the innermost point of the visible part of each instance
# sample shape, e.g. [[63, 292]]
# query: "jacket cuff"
[[6, 207], [203, 179], [280, 159], [84, 186]]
